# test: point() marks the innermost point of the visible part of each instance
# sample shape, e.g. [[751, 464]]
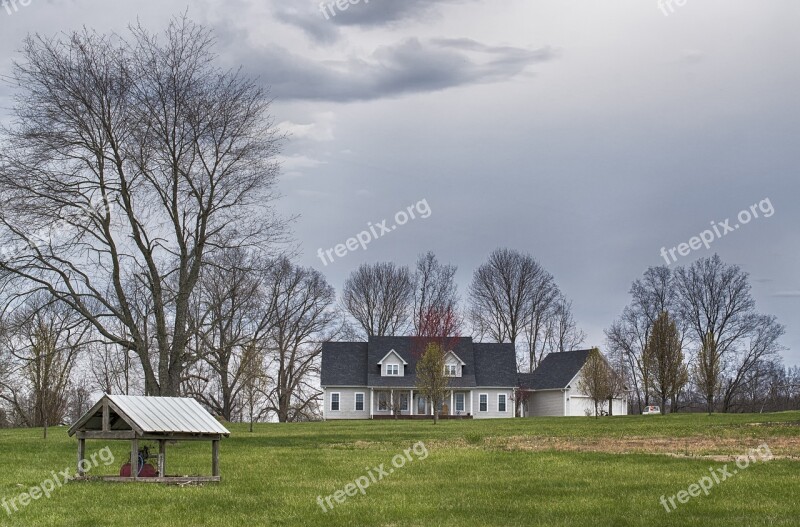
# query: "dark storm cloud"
[[410, 66], [320, 19]]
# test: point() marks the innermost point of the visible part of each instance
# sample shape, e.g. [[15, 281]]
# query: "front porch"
[[403, 403], [378, 417]]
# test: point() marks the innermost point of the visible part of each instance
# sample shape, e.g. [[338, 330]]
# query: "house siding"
[[347, 404], [493, 412], [546, 403]]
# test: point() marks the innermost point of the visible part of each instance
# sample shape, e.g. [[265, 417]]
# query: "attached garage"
[[553, 389]]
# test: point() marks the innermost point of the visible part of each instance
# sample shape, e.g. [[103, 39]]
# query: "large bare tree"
[[130, 161], [301, 306], [716, 305], [379, 297], [511, 297], [231, 320], [501, 294]]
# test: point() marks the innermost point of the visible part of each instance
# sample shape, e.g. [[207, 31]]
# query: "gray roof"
[[555, 371], [344, 364], [356, 363], [152, 415]]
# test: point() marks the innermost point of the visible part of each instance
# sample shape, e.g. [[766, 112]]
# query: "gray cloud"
[[410, 66], [321, 20]]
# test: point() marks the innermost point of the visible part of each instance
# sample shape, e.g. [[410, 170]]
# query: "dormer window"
[[392, 365], [453, 365]]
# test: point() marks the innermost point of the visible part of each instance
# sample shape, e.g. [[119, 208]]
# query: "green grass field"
[[546, 471]]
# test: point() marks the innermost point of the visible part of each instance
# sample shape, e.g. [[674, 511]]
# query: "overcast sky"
[[590, 134]]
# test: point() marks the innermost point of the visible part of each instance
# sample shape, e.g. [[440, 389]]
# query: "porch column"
[[470, 404], [451, 403], [371, 405], [392, 409], [411, 402]]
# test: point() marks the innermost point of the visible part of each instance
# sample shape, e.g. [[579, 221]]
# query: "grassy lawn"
[[546, 471]]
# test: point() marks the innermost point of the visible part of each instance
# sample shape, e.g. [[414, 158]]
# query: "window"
[[459, 402], [359, 402], [392, 369], [501, 402], [403, 402], [483, 406], [334, 402], [383, 401], [450, 370], [421, 405]]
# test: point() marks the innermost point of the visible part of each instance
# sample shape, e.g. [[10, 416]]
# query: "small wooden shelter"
[[161, 419]]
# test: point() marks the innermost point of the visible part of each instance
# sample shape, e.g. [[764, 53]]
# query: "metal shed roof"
[[155, 415]]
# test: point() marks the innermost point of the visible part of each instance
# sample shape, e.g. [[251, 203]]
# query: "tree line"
[[692, 338]]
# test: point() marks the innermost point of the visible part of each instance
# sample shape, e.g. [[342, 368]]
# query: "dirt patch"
[[716, 449], [776, 424]]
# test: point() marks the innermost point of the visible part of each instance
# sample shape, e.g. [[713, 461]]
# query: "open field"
[[546, 471]]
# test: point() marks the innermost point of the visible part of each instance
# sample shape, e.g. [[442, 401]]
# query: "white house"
[[361, 380]]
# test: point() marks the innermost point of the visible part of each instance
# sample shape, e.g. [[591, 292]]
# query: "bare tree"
[[43, 341], [506, 296], [561, 330], [113, 369], [133, 161], [302, 316], [379, 297], [746, 363], [716, 306], [435, 291], [232, 320], [547, 304]]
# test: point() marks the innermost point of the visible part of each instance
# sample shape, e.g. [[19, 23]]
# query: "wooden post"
[[106, 418], [215, 458], [135, 458], [162, 457], [81, 455]]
